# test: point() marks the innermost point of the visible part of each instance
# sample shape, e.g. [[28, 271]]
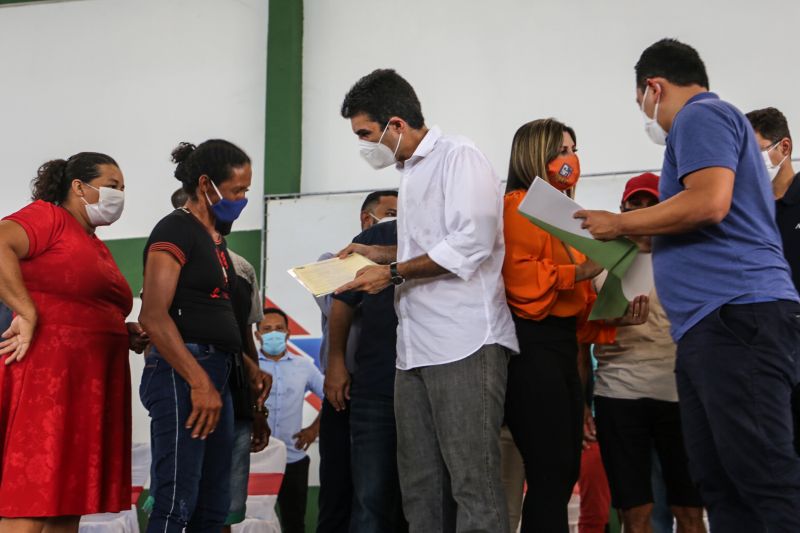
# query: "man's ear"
[[657, 86], [398, 125], [786, 146], [365, 218]]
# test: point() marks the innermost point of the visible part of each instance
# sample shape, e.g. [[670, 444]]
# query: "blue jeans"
[[736, 371], [240, 470], [377, 503], [191, 477]]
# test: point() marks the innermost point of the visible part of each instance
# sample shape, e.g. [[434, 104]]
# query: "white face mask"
[[384, 219], [379, 155], [653, 129], [772, 170], [108, 208]]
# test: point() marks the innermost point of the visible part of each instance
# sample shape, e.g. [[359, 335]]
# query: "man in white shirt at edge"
[[455, 331]]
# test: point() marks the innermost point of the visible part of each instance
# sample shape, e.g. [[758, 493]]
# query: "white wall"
[[482, 69], [131, 79]]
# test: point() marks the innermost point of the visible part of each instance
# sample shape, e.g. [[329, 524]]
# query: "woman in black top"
[[187, 311]]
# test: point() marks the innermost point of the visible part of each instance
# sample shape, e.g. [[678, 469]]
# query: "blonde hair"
[[535, 144]]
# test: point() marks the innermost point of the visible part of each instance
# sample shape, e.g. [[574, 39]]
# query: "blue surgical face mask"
[[226, 210], [274, 342]]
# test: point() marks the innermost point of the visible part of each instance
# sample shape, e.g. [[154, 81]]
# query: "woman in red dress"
[[65, 391]]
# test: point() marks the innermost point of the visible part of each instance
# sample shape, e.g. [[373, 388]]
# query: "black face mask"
[[224, 228]]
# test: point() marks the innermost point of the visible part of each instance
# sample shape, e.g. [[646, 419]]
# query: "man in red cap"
[[636, 405]]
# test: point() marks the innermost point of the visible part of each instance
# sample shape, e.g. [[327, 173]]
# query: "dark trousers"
[[293, 496], [335, 482], [378, 505], [191, 477], [736, 371], [544, 411]]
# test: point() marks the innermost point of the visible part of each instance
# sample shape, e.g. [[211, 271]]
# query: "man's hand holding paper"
[[603, 225]]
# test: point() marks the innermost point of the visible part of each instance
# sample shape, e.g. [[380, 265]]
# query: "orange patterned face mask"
[[563, 171]]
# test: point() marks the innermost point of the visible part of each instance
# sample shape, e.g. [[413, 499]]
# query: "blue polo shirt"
[[739, 260]]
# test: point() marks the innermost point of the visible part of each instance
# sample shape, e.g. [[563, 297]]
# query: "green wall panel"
[[128, 254], [284, 97]]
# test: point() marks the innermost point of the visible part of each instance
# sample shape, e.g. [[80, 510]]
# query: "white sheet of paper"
[[324, 277], [552, 206], [638, 280]]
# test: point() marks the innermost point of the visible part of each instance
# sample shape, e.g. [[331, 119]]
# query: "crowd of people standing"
[[458, 370]]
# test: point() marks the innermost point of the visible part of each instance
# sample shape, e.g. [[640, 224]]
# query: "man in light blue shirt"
[[292, 375]]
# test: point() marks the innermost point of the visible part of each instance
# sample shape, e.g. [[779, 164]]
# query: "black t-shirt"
[[376, 354], [787, 214], [201, 307]]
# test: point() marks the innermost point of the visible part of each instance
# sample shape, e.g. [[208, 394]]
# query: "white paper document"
[[553, 207], [324, 277], [638, 280]]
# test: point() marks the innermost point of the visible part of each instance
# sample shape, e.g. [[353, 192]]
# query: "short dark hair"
[[671, 59], [383, 94], [53, 178], [276, 311], [769, 123], [214, 158], [179, 198], [373, 198]]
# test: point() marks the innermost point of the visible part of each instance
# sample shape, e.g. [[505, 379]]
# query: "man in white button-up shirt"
[[455, 331]]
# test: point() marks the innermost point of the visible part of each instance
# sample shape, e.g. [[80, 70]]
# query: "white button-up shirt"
[[450, 206]]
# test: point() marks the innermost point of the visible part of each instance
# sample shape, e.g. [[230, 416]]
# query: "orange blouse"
[[539, 275]]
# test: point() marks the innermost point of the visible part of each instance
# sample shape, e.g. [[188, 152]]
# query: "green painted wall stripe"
[[284, 97], [128, 254]]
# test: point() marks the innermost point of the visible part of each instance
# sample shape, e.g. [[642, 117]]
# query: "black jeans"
[[736, 371], [335, 479], [544, 411], [293, 496]]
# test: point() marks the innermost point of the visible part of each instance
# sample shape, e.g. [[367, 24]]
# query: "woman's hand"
[[260, 381], [261, 433], [137, 338], [260, 385], [18, 338], [637, 313], [206, 408]]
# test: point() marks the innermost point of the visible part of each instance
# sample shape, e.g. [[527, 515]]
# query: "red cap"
[[643, 182]]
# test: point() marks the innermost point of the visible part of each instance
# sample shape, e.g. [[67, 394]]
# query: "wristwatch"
[[397, 279]]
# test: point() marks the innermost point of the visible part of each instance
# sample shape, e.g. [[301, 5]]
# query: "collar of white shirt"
[[424, 148]]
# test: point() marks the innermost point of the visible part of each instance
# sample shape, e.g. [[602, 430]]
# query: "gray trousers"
[[448, 444]]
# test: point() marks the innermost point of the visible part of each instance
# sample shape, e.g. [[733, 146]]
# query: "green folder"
[[615, 256]]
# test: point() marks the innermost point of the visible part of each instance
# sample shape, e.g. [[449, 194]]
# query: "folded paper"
[[324, 277], [630, 274]]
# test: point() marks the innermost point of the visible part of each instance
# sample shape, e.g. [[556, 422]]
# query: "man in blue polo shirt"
[[725, 284]]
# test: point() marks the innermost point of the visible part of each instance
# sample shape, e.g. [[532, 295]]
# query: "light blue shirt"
[[292, 375]]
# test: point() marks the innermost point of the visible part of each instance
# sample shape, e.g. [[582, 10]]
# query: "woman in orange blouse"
[[549, 292]]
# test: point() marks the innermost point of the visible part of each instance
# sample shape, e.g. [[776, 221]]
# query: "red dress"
[[65, 409]]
